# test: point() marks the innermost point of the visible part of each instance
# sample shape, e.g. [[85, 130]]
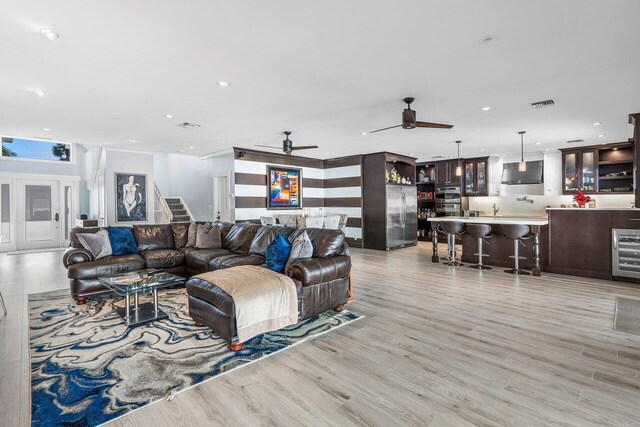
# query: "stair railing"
[[166, 214]]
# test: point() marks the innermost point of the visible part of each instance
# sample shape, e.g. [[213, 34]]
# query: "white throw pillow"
[[301, 248], [97, 243]]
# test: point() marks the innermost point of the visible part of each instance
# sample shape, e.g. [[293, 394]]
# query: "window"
[[38, 150]]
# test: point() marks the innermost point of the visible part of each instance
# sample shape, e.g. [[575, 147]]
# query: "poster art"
[[285, 188], [131, 197]]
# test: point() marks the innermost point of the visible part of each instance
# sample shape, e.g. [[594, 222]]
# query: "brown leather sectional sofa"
[[321, 282]]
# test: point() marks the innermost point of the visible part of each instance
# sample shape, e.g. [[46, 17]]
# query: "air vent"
[[438, 157], [43, 137], [188, 125], [575, 141], [543, 104]]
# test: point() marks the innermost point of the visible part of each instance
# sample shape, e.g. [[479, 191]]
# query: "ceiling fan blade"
[[304, 147], [433, 125], [380, 130], [269, 146]]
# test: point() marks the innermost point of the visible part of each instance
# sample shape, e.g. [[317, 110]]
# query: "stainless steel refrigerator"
[[402, 216]]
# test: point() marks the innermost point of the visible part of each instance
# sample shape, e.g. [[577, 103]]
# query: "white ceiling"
[[327, 70]]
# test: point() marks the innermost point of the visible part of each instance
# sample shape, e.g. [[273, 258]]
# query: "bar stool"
[[480, 232], [517, 233], [452, 229]]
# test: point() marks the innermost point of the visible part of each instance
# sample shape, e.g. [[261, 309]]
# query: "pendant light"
[[522, 167], [459, 167]]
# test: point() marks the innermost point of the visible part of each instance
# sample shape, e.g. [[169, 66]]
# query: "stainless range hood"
[[533, 175]]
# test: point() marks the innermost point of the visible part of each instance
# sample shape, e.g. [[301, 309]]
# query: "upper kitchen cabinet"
[[579, 170], [598, 169], [446, 173], [476, 177]]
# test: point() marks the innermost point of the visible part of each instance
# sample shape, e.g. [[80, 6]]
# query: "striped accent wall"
[[331, 186]]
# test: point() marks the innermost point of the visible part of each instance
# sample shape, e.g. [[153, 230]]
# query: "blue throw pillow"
[[278, 253], [122, 241]]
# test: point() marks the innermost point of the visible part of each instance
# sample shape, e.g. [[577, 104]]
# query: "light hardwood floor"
[[438, 346]]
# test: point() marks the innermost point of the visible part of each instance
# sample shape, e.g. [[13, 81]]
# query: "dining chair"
[[288, 220], [314, 221], [332, 222], [343, 221], [267, 220], [4, 307]]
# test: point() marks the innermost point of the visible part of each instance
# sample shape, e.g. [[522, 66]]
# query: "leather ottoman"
[[213, 307]]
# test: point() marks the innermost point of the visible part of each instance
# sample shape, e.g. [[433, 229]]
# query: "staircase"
[[178, 211]]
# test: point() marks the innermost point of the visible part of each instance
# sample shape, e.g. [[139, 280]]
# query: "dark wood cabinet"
[[476, 177], [446, 173], [381, 212], [601, 169], [580, 241]]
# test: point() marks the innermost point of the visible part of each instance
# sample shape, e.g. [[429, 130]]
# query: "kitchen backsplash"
[[509, 205]]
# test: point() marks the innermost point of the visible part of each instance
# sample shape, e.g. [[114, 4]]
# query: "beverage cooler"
[[626, 253]]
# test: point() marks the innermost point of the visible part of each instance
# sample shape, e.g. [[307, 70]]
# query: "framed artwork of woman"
[[131, 197]]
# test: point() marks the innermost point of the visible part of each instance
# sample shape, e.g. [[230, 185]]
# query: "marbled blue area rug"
[[87, 368]]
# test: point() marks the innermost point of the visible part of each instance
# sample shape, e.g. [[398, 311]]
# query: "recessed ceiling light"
[[191, 148], [411, 154], [546, 149], [615, 148], [46, 129], [597, 123], [331, 153], [487, 39], [601, 135], [486, 108], [133, 141], [181, 151], [481, 150], [496, 155], [223, 83], [451, 157], [538, 143], [168, 116], [363, 133], [40, 92], [51, 34]]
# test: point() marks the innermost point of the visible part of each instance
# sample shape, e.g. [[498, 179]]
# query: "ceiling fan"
[[409, 120], [287, 145]]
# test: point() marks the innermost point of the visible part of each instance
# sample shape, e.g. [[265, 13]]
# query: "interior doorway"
[[222, 196]]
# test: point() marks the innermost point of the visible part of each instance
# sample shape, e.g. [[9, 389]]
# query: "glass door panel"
[[588, 171], [469, 178], [5, 214], [481, 172], [38, 216], [570, 173]]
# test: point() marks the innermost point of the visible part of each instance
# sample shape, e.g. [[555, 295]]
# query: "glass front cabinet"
[[475, 177], [579, 170]]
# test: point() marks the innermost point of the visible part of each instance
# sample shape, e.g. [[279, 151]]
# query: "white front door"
[[38, 215], [221, 199]]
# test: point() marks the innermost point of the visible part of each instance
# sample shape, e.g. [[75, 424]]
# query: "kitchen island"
[[501, 248]]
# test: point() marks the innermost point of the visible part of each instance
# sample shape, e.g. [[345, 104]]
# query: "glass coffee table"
[[136, 283]]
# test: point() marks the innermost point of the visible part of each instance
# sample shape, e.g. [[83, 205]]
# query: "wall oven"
[[626, 253], [448, 198]]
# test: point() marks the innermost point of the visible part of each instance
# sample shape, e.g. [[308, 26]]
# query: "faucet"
[[495, 210], [525, 199]]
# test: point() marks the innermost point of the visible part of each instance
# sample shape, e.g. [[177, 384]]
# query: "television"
[[285, 188]]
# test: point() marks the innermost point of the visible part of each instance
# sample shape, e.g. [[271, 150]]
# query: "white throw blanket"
[[265, 300]]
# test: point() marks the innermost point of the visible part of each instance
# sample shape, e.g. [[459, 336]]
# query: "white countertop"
[[523, 220], [592, 209]]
